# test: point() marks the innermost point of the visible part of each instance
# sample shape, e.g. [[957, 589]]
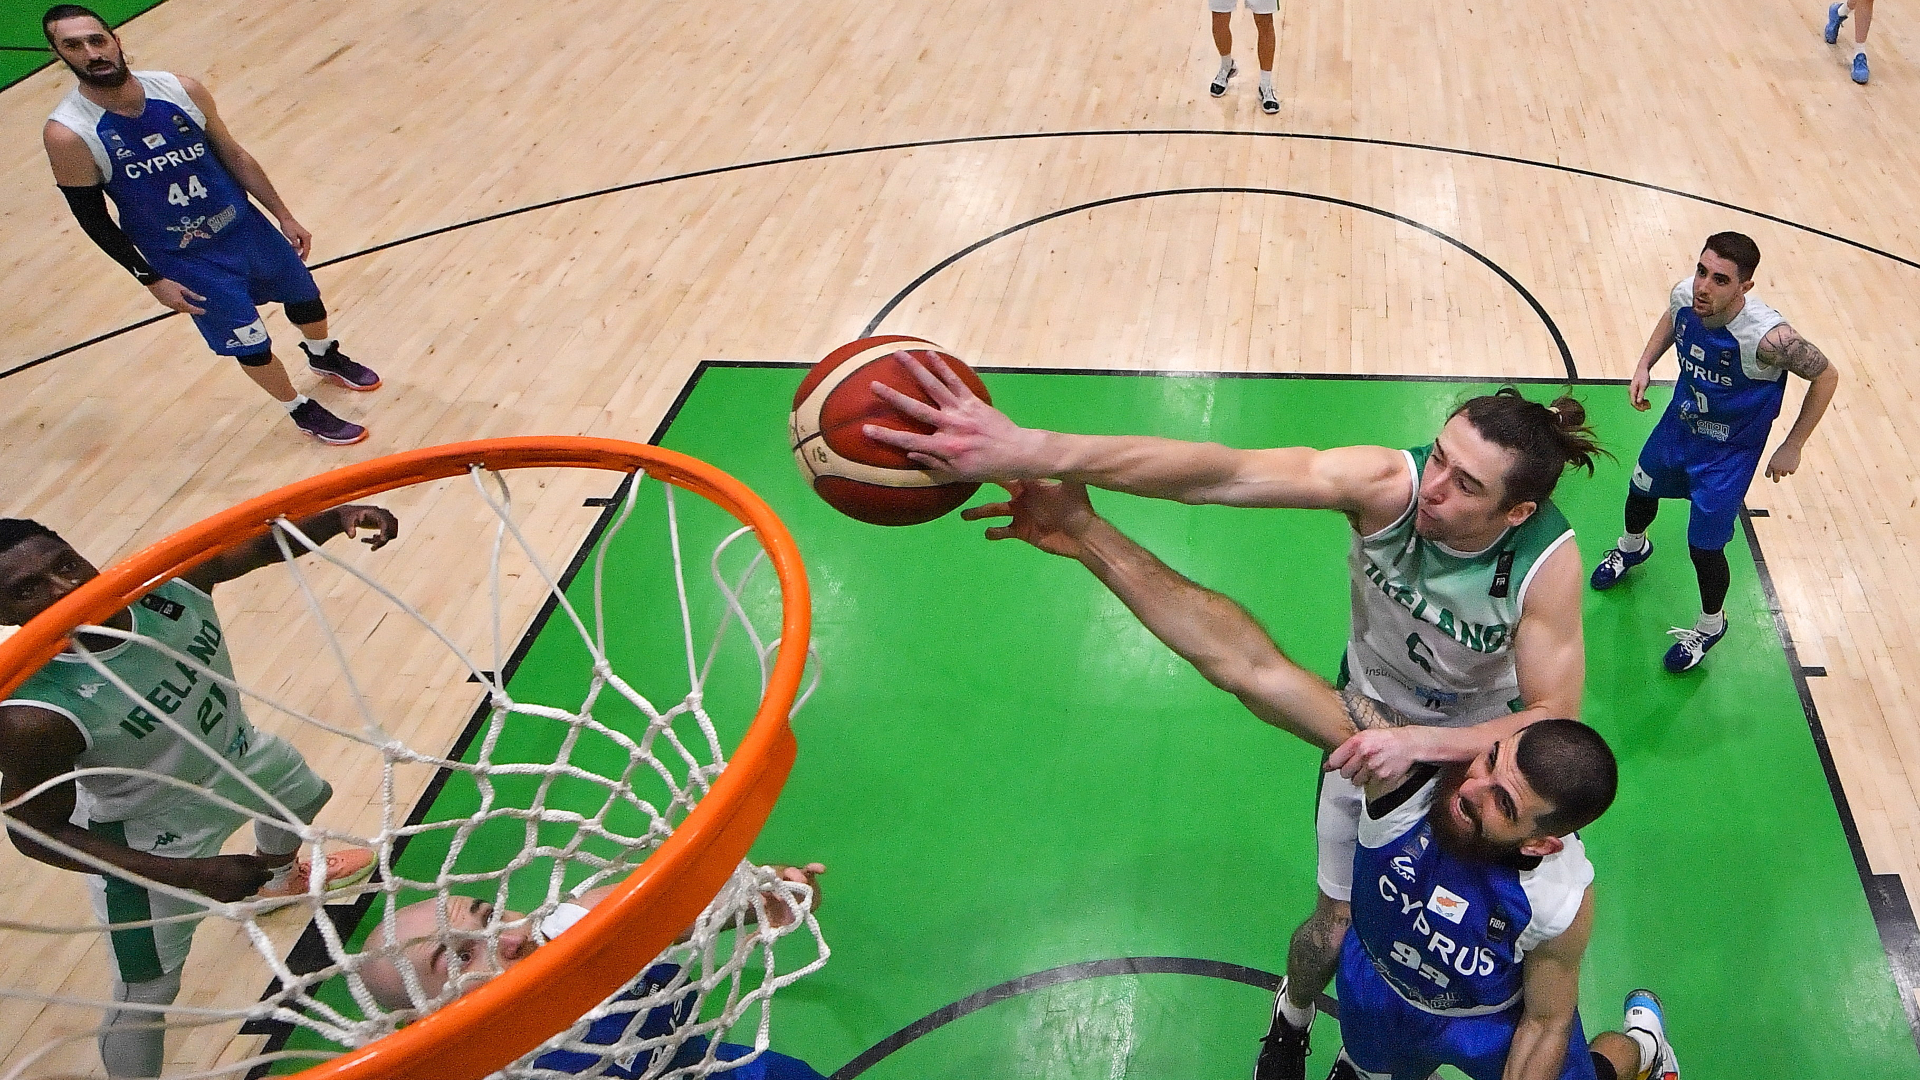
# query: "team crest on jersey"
[[1726, 357], [155, 141], [87, 690], [1448, 905], [180, 124]]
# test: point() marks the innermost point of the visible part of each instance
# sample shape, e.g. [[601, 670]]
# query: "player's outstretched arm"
[[1657, 346], [1550, 980], [379, 524], [246, 169], [972, 440], [38, 747], [1211, 632], [1550, 657], [1783, 346]]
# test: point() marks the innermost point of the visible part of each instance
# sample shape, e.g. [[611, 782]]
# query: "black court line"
[[824, 155], [1559, 341], [1041, 980], [1887, 900]]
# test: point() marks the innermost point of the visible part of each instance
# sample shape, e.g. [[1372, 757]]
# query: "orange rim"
[[502, 1020]]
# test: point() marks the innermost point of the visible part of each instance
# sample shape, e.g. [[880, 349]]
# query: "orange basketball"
[[863, 479]]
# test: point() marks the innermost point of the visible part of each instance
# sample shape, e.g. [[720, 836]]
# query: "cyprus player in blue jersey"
[[1734, 353], [154, 143], [1472, 899]]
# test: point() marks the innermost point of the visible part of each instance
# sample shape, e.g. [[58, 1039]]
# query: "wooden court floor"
[[1466, 190]]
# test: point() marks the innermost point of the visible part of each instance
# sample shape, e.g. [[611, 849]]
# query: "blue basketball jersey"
[[1726, 394], [172, 192], [1447, 934]]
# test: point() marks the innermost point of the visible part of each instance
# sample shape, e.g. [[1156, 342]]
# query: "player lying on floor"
[[1473, 896], [437, 959]]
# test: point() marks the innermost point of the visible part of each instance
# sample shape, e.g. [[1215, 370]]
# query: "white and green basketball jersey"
[[137, 733], [1433, 628]]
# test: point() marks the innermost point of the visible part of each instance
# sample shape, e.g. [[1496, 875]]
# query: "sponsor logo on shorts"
[[155, 141], [165, 838], [87, 690], [253, 333], [1449, 905], [1641, 480]]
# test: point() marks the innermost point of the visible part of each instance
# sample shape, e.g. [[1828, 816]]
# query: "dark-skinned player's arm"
[[379, 523], [1657, 346], [1783, 346], [1550, 657], [972, 440], [1208, 630], [246, 169], [38, 746], [1550, 992]]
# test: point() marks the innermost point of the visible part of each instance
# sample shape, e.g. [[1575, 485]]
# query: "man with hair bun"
[[1734, 354], [1465, 581]]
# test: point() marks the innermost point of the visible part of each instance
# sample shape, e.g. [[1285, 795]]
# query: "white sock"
[[1648, 1048], [1298, 1017], [1632, 542], [1711, 624], [1226, 64], [1266, 81], [1859, 48], [298, 400], [318, 346]]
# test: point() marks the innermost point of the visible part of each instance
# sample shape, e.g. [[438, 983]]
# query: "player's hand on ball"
[[379, 522], [1382, 754], [226, 878], [176, 296], [1051, 515], [971, 440], [1784, 462]]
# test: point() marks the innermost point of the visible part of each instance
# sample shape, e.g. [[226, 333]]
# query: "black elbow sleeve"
[[89, 206]]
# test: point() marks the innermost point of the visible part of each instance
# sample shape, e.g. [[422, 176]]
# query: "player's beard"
[[104, 80], [1456, 837]]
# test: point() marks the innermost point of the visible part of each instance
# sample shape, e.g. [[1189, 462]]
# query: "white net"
[[564, 785]]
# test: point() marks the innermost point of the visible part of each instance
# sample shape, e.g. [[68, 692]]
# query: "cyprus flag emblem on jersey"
[[1447, 905]]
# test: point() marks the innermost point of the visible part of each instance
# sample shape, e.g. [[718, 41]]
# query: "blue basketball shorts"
[[1387, 1037], [248, 264], [1677, 464]]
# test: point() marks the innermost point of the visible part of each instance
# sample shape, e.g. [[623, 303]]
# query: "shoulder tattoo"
[[1797, 354]]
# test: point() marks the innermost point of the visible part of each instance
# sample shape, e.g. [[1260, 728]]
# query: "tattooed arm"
[[1784, 347]]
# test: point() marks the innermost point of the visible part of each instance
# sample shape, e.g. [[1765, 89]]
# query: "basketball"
[[863, 479]]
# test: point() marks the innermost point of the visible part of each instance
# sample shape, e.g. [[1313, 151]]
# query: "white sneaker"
[[1219, 84], [1644, 1014]]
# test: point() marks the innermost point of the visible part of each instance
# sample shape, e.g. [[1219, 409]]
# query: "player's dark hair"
[[15, 530], [1569, 765], [68, 11], [1738, 249], [1544, 439]]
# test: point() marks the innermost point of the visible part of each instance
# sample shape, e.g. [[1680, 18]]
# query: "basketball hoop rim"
[[505, 1018]]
